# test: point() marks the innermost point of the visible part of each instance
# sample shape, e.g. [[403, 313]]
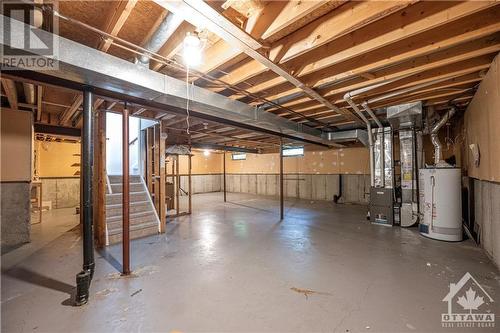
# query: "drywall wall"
[[57, 159], [333, 161], [15, 177], [15, 145], [482, 127]]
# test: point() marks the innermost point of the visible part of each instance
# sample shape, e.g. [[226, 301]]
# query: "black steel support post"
[[126, 193], [282, 208], [84, 278], [224, 170]]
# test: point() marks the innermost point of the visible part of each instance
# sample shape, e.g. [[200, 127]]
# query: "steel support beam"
[[226, 148], [79, 65], [224, 173], [84, 278], [282, 203], [57, 130]]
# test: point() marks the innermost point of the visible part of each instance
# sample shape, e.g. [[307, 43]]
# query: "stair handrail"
[[109, 184], [143, 181]]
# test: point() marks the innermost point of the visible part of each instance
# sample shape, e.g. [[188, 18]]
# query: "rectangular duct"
[[405, 115], [348, 136]]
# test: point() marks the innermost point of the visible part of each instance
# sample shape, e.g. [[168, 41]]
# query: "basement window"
[[239, 157], [295, 151]]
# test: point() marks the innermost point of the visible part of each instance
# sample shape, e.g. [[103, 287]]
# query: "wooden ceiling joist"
[[295, 59], [9, 86], [116, 20], [392, 29]]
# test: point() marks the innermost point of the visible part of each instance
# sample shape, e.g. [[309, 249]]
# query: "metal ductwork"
[[348, 136], [29, 92], [165, 30], [80, 66], [405, 115], [348, 97], [438, 161]]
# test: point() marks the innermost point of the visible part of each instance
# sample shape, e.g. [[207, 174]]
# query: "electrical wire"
[[187, 99], [136, 49]]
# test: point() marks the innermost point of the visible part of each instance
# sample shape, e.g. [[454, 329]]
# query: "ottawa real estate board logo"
[[469, 305], [29, 35]]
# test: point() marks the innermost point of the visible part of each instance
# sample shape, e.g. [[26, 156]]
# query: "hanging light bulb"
[[206, 152], [192, 50]]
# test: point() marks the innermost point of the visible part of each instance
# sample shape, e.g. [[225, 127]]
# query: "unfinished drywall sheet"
[[482, 127], [16, 145]]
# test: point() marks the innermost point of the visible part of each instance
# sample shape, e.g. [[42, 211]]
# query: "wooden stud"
[[100, 221]]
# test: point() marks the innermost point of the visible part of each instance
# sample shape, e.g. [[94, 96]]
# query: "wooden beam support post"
[[100, 153], [125, 194]]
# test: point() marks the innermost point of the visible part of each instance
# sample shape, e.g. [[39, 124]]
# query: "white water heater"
[[440, 203]]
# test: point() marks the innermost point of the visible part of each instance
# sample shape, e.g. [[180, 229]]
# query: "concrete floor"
[[235, 267]]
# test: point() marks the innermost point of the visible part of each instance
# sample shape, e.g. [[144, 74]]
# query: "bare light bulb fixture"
[[192, 50], [206, 152]]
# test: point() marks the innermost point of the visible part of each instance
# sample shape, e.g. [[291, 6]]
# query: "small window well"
[[238, 157], [295, 151]]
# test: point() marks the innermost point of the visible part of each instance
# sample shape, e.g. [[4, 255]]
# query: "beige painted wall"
[[15, 145], [482, 127], [334, 161], [201, 164], [55, 158]]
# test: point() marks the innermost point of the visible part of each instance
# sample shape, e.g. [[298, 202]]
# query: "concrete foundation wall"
[[303, 186], [63, 192], [487, 217], [15, 214], [203, 183], [356, 188]]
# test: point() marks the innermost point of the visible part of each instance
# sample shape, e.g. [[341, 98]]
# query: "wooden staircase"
[[143, 217]]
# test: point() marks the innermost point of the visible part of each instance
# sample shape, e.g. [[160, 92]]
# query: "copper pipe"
[[125, 194]]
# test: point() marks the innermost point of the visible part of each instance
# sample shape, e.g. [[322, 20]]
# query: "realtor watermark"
[[469, 305], [29, 32]]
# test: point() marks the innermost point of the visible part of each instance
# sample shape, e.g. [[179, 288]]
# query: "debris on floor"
[[135, 292], [105, 292], [142, 271], [308, 292]]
